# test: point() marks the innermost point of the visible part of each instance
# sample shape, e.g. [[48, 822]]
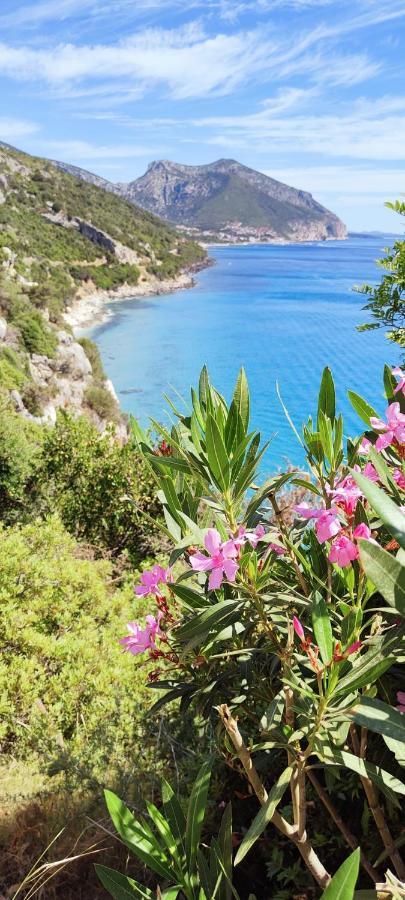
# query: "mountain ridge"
[[227, 200]]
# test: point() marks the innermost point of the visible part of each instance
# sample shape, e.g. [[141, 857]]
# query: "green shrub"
[[20, 445], [93, 355], [101, 400], [99, 487], [36, 335], [12, 373], [67, 693]]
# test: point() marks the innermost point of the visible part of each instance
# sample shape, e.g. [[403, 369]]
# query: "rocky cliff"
[[224, 200], [229, 198]]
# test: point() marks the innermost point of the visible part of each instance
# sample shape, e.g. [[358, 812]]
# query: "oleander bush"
[[286, 633]]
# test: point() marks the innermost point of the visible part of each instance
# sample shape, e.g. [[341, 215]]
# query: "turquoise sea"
[[283, 312]]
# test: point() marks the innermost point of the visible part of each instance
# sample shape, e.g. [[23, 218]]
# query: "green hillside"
[[58, 259]]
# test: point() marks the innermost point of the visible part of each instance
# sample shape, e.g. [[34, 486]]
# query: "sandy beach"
[[91, 307]]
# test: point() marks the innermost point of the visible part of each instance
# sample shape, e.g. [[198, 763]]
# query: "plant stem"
[[279, 517], [304, 846], [376, 808], [350, 838]]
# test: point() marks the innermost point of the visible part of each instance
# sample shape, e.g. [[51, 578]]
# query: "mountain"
[[62, 239], [224, 200], [229, 199]]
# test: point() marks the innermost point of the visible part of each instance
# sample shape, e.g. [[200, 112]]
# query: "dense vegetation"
[[58, 259], [80, 512]]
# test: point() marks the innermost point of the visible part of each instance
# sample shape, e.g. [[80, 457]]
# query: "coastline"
[[89, 308]]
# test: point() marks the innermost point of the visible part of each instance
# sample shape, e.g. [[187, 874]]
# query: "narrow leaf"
[[380, 717], [384, 507], [264, 815], [196, 812], [322, 628], [344, 880], [119, 886], [362, 408], [386, 572]]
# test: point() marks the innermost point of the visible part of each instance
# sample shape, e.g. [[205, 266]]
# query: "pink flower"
[[252, 536], [346, 493], [327, 525], [353, 648], [298, 628], [392, 430], [401, 701], [362, 531], [398, 476], [343, 551], [276, 548], [397, 372], [150, 579], [307, 512], [141, 639], [365, 446], [370, 472], [220, 560]]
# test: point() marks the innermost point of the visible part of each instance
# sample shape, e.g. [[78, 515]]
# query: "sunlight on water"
[[283, 312]]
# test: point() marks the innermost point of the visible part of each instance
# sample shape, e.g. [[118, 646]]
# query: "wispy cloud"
[[14, 129], [71, 151], [187, 61], [366, 131]]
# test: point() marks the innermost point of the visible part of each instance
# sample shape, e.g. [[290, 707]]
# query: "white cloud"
[[338, 179], [367, 131], [14, 129], [82, 150], [187, 61]]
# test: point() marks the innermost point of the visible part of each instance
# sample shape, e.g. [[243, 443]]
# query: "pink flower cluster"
[[221, 559], [401, 701], [393, 430], [141, 639], [151, 579], [328, 527]]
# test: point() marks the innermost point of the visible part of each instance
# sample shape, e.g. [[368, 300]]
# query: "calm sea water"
[[283, 312]]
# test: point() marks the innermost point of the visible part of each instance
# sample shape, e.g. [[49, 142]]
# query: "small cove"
[[282, 311]]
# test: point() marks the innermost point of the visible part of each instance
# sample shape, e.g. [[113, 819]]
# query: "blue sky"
[[308, 91]]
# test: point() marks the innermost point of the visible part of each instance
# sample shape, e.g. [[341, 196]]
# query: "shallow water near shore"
[[283, 312]]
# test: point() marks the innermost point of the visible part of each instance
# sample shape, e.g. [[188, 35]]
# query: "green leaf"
[[322, 628], [174, 814], [120, 886], [196, 812], [388, 511], [134, 836], [225, 846], [241, 398], [390, 384], [384, 780], [362, 408], [325, 434], [264, 815], [198, 628], [398, 749], [326, 399], [216, 451], [188, 596], [344, 880], [385, 572], [204, 386], [380, 717]]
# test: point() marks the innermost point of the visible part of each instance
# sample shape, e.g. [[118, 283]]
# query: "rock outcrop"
[[95, 235]]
